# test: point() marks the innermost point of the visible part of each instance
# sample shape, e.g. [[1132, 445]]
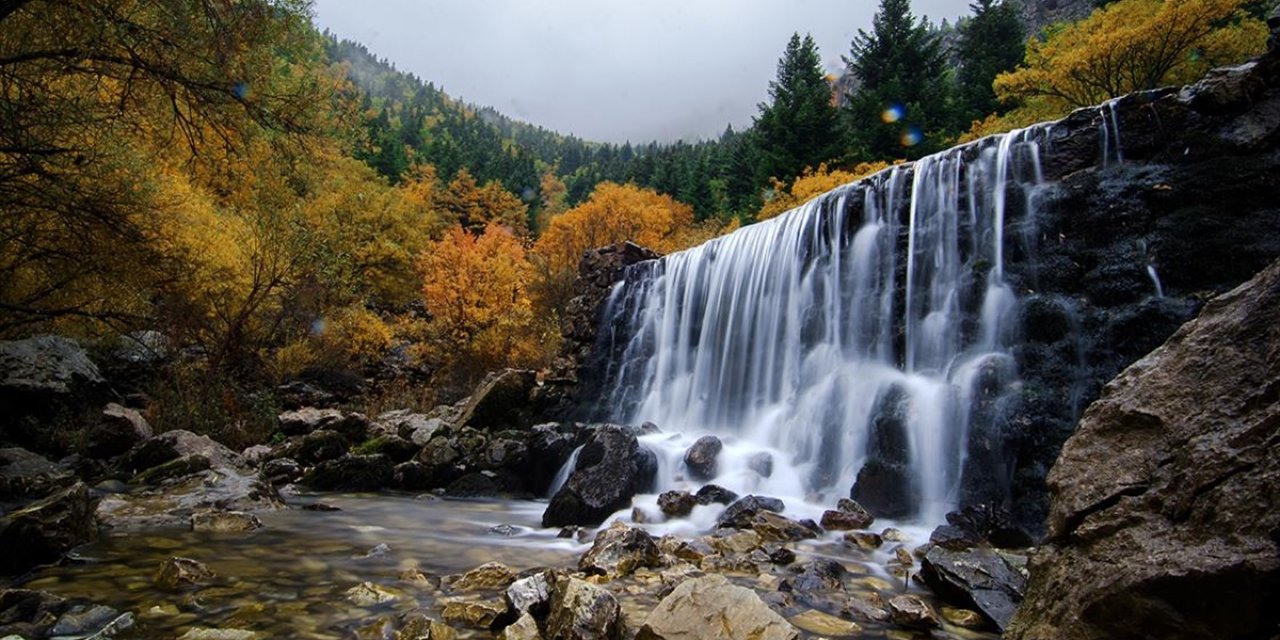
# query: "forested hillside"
[[276, 202]]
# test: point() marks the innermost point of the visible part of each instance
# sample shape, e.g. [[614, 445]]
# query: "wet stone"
[[177, 572], [825, 624], [368, 594], [865, 540], [912, 612], [492, 576], [224, 521], [473, 613]]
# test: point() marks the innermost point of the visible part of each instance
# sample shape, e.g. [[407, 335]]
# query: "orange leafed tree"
[[813, 183], [614, 213], [476, 289], [474, 206]]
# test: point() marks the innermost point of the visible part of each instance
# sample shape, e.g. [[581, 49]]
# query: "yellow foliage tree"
[[465, 202], [813, 183], [1127, 46], [476, 289]]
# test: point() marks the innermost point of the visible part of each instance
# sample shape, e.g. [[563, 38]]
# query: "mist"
[[603, 70]]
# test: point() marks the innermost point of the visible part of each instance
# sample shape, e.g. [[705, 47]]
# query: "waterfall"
[[873, 322]]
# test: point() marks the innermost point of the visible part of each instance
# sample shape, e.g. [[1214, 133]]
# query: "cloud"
[[603, 69]]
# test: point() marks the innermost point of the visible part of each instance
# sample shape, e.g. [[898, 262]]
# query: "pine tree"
[[900, 108], [799, 127], [991, 42]]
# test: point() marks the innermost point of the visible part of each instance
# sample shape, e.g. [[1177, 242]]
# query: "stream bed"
[[291, 578]]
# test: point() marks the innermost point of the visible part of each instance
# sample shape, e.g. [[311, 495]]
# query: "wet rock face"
[[979, 579], [1178, 461], [1195, 199], [884, 484], [611, 468]]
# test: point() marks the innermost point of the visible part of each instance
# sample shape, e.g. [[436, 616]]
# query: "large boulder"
[[353, 426], [710, 608], [27, 475], [611, 468], [351, 473], [742, 513], [179, 443], [43, 531], [502, 401], [1163, 519], [117, 430], [45, 365]]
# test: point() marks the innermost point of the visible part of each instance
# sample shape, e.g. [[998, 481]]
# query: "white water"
[[1155, 280], [784, 337]]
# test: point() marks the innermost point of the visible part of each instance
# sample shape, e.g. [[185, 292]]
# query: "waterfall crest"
[[866, 331]]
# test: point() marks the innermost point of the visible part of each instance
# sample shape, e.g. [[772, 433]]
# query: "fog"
[[606, 70]]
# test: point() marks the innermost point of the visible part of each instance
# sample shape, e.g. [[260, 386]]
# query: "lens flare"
[[911, 137], [893, 114]]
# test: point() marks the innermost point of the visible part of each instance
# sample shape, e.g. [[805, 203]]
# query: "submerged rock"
[[825, 624], [612, 468], [178, 572], [224, 521], [710, 608]]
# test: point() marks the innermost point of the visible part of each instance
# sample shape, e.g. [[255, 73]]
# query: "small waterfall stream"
[[873, 322]]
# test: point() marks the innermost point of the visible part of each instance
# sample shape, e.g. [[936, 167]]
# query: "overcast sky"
[[607, 70]]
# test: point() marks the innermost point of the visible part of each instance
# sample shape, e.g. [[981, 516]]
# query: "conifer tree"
[[900, 108], [799, 126], [991, 43]]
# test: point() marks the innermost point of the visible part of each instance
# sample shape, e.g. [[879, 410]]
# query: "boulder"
[[844, 521], [979, 579], [395, 448], [1162, 519], [676, 504], [611, 468], [912, 612], [531, 595], [776, 528], [178, 572], [987, 524], [714, 494], [316, 447], [620, 550], [28, 613], [353, 426], [41, 532], [583, 611], [416, 625], [761, 463], [741, 514], [816, 577], [45, 366], [503, 400], [700, 459], [297, 394], [524, 628], [491, 576], [884, 485], [117, 430], [281, 471], [27, 475], [710, 608], [172, 445], [182, 487], [351, 473]]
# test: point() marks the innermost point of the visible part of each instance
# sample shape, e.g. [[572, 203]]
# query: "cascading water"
[[876, 316]]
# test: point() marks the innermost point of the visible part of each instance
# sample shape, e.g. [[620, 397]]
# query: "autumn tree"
[[89, 89], [901, 105], [614, 213], [476, 289], [1132, 45], [811, 184], [465, 202], [798, 127]]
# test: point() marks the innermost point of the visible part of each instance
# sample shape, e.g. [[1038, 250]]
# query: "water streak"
[[794, 338]]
